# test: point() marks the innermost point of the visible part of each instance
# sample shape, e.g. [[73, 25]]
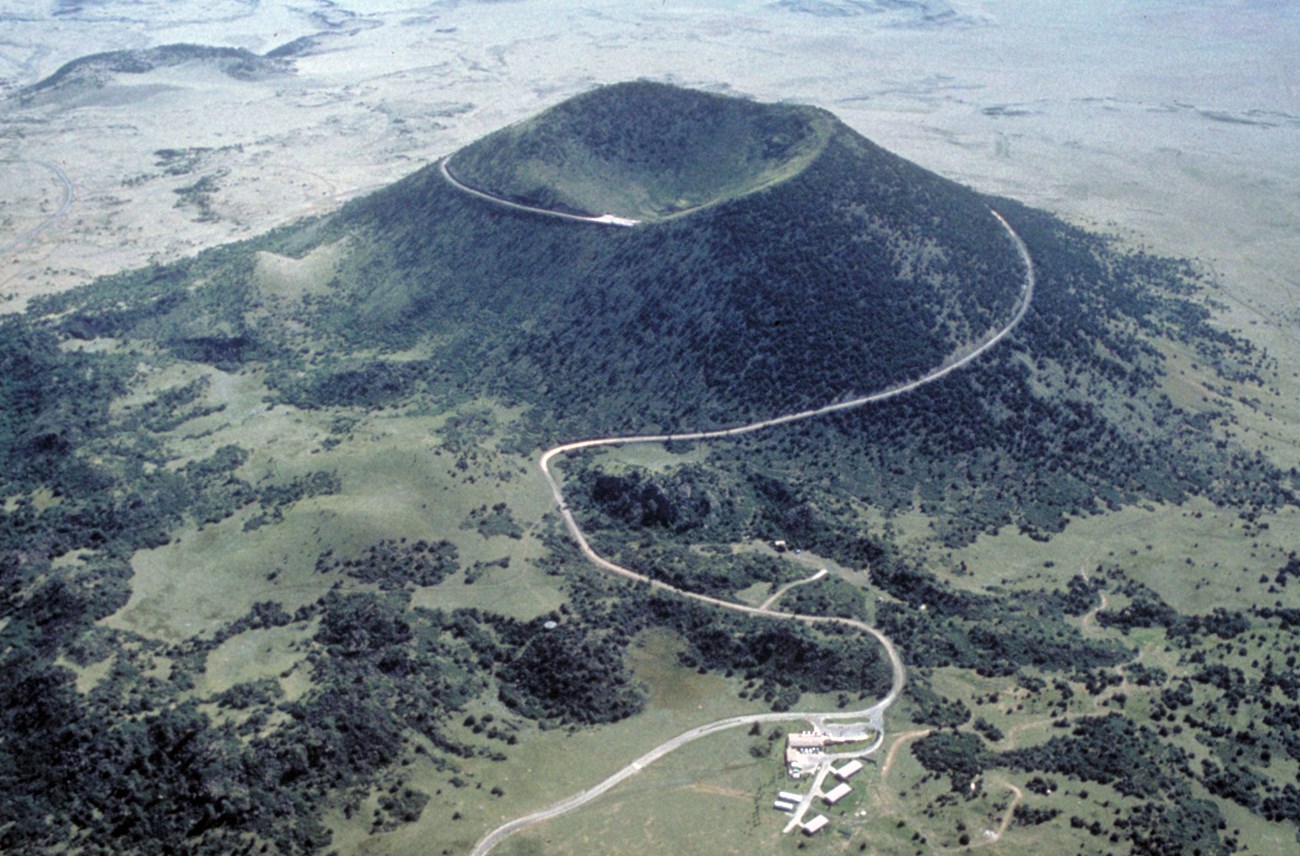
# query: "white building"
[[849, 770], [836, 794], [811, 827]]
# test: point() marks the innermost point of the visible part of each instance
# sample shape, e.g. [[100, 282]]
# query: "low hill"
[[95, 71]]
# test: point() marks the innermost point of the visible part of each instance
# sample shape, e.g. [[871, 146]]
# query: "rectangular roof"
[[811, 827], [837, 793], [848, 769]]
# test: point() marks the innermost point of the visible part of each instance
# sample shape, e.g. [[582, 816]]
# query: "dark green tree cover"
[[394, 564], [645, 521], [1147, 609], [930, 707], [958, 629], [570, 677], [675, 502], [1233, 781], [1188, 827], [1022, 436], [959, 756], [176, 406], [778, 660], [1029, 815], [828, 596], [1111, 750], [1288, 571], [493, 522], [780, 657], [366, 384], [806, 292], [51, 403], [640, 515], [787, 298]]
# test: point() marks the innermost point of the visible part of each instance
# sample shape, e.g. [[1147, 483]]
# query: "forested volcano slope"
[[856, 271]]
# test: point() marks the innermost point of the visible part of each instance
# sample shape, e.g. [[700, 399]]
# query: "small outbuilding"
[[812, 826], [849, 770]]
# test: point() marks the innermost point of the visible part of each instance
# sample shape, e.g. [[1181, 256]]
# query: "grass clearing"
[[519, 591], [682, 804], [256, 654], [289, 278], [1195, 555], [209, 576]]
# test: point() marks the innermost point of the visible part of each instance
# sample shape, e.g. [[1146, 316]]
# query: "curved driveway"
[[873, 714], [781, 592]]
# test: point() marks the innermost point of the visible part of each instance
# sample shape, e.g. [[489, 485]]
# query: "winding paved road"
[[874, 714]]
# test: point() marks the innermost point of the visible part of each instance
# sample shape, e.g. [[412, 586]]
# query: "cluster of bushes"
[[493, 522], [396, 564]]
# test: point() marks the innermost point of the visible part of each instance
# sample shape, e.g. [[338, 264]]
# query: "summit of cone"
[[644, 151]]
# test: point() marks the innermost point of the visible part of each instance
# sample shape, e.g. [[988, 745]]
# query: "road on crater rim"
[[873, 714], [602, 220]]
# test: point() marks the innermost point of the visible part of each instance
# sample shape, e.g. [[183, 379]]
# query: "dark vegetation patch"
[[493, 522], [1065, 419], [166, 779], [569, 676], [1110, 750], [643, 521], [778, 661], [395, 564], [745, 303], [366, 385], [828, 596], [1028, 815]]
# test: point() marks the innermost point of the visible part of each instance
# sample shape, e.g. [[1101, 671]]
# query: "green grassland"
[[714, 799]]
